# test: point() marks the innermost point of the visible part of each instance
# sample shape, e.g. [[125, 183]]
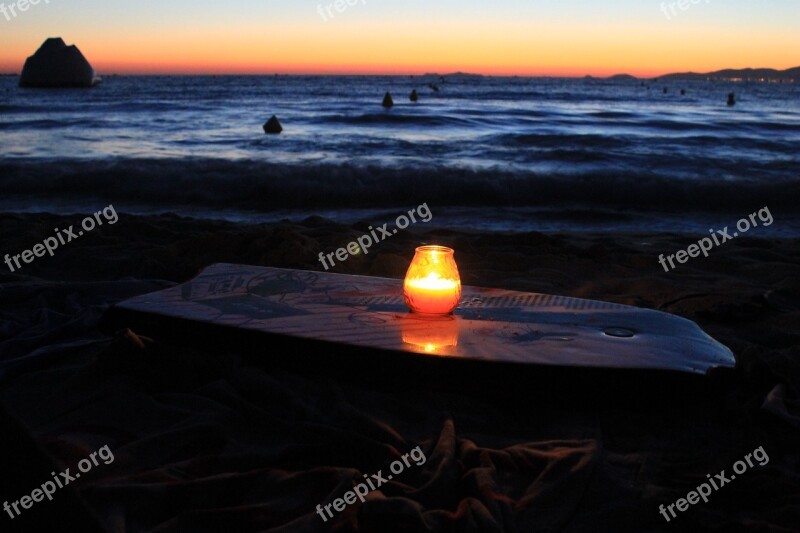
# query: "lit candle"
[[432, 284]]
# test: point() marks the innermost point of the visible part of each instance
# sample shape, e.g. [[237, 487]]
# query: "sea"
[[506, 154]]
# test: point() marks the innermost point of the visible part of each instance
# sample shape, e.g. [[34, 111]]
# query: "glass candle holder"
[[432, 285]]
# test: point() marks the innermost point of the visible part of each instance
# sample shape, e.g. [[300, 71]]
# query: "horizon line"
[[409, 74]]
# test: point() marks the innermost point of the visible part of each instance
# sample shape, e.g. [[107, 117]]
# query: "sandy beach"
[[206, 441]]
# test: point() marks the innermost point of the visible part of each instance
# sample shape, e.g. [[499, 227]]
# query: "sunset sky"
[[525, 37]]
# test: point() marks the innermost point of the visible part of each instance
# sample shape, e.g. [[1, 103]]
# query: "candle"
[[433, 294], [432, 284]]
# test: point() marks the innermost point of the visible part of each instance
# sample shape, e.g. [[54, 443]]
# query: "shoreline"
[[174, 248]]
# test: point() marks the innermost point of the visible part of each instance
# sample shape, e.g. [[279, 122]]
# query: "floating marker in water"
[[731, 98], [273, 126], [414, 96], [388, 101]]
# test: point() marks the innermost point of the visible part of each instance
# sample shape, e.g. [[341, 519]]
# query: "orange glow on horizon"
[[489, 49]]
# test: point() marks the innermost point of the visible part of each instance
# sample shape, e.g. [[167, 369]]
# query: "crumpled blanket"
[[209, 442]]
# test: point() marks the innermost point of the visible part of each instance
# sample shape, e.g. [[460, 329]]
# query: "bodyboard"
[[490, 325]]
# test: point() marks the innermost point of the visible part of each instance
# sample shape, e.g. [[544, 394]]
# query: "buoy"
[[683, 92], [665, 90], [414, 96], [387, 101], [731, 98], [273, 126]]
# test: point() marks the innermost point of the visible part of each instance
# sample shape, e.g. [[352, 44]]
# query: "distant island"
[[763, 75], [746, 74], [453, 75]]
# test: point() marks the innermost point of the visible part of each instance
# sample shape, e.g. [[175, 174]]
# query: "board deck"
[[491, 325]]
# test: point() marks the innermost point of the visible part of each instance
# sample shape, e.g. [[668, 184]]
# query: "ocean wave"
[[614, 114], [395, 118], [51, 124], [679, 124], [560, 140], [260, 187]]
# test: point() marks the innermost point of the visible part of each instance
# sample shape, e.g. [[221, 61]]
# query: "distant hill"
[[623, 77], [454, 75], [745, 74]]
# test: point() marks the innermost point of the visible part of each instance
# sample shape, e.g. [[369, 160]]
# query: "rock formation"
[[56, 65]]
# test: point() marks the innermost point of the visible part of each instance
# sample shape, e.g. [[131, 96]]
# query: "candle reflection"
[[430, 335]]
